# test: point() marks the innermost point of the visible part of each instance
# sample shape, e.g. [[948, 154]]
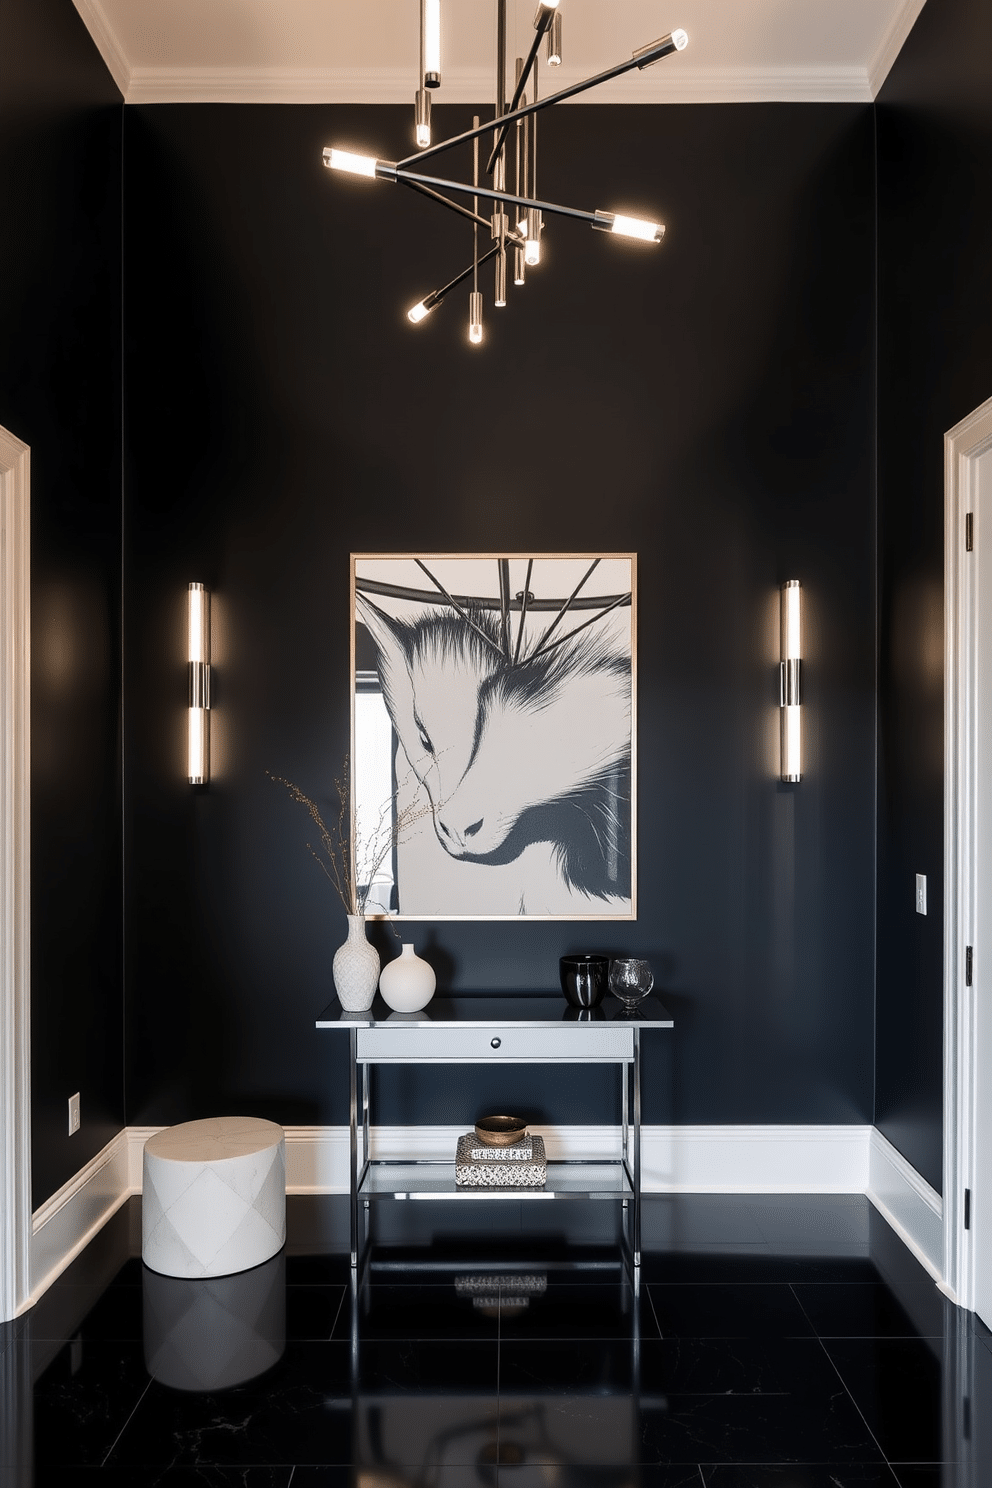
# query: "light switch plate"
[[73, 1114], [921, 893]]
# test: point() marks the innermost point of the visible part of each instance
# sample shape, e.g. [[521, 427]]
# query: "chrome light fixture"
[[198, 767], [789, 682], [523, 238]]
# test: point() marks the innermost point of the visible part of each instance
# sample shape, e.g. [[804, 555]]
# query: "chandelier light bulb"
[[346, 160], [554, 41], [646, 56], [422, 118], [532, 244], [424, 308], [499, 295], [629, 227], [432, 43], [475, 317], [519, 270]]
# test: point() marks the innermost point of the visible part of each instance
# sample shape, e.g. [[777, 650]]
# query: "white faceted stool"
[[213, 1196]]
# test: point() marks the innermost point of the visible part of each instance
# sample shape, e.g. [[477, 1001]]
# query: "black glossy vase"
[[584, 979]]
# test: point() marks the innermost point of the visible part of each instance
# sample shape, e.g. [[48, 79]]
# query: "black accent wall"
[[935, 366], [708, 405], [60, 392]]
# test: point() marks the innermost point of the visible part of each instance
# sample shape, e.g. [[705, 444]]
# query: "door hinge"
[[967, 1208], [968, 965], [969, 531]]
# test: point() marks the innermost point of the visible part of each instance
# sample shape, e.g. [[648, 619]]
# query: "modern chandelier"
[[517, 219]]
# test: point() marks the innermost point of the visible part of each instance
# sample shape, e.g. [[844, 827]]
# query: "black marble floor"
[[770, 1341]]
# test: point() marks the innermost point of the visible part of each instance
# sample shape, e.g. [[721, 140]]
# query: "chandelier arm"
[[445, 202], [641, 60], [439, 294], [388, 172], [515, 100], [500, 58]]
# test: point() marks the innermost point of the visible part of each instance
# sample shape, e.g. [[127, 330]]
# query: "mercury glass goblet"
[[630, 981]]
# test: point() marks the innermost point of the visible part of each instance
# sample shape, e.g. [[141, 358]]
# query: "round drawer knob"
[[496, 1043]]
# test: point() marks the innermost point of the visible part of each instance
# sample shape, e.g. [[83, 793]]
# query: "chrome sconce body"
[[198, 751], [790, 681]]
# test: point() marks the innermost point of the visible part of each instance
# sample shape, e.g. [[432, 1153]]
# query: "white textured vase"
[[356, 968], [407, 984]]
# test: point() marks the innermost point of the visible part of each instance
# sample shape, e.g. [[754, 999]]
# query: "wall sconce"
[[199, 685], [789, 682]]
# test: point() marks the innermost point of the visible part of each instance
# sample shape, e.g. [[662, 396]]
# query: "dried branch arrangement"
[[351, 861]]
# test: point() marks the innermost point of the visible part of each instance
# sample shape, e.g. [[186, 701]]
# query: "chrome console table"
[[488, 1029]]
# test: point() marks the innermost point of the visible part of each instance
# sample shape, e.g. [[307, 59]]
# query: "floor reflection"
[[208, 1334], [784, 1342]]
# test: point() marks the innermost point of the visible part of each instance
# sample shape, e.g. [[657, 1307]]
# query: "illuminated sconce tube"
[[790, 682], [198, 766]]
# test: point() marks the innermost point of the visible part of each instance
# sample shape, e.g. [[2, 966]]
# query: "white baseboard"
[[907, 1202], [67, 1221], [675, 1159], [755, 1159]]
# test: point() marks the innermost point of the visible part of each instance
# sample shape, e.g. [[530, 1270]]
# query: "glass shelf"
[[436, 1180]]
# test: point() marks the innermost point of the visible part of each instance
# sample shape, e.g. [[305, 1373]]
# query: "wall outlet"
[[921, 893], [74, 1113]]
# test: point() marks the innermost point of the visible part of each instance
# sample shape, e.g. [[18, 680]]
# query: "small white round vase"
[[407, 984], [356, 968]]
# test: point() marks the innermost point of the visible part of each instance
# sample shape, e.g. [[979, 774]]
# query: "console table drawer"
[[577, 1043]]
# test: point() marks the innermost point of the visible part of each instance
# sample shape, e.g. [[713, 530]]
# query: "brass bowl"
[[500, 1131]]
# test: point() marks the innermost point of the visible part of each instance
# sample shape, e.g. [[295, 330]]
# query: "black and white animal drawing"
[[515, 752]]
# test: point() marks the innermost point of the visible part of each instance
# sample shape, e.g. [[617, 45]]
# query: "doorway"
[[968, 864], [15, 850]]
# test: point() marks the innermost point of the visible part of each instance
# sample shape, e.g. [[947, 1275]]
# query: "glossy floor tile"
[[728, 1310], [768, 1343], [858, 1310], [896, 1383]]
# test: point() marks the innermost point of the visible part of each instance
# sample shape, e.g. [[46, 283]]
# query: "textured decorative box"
[[498, 1174], [522, 1151]]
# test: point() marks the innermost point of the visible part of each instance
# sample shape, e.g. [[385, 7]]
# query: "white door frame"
[[15, 875], [963, 445]]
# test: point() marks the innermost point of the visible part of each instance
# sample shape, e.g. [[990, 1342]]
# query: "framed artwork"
[[493, 733]]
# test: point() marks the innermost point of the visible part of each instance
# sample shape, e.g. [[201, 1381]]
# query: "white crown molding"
[[474, 85], [892, 44], [106, 40], [15, 874]]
